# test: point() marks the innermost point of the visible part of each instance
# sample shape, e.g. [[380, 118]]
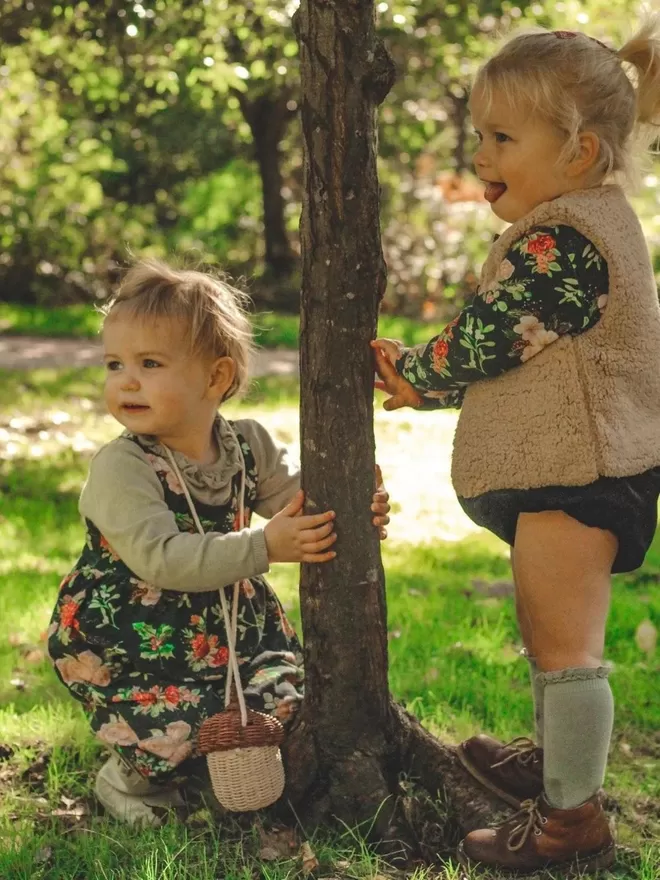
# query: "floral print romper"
[[149, 665]]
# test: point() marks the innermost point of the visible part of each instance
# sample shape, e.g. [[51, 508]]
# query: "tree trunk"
[[268, 117], [351, 743]]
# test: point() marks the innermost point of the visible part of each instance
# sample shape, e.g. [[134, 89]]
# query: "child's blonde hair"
[[212, 312], [578, 84]]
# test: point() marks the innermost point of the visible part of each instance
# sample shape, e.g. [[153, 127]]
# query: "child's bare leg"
[[562, 571], [524, 624], [563, 576], [521, 612]]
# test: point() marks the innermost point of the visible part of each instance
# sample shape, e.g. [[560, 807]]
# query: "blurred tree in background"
[[171, 127]]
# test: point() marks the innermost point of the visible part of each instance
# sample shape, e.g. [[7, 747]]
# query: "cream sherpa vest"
[[588, 405]]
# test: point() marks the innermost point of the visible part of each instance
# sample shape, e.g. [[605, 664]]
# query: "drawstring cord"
[[231, 621]]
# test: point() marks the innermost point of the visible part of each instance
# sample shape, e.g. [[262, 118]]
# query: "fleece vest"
[[588, 405]]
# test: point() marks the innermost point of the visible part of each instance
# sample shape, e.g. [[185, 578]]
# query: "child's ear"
[[221, 377], [586, 154]]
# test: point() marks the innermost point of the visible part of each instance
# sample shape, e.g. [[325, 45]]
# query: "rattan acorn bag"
[[242, 747]]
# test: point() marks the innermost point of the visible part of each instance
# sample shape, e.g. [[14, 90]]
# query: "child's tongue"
[[494, 191]]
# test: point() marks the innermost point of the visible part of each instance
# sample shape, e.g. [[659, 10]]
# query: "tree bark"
[[343, 276], [351, 744], [268, 117]]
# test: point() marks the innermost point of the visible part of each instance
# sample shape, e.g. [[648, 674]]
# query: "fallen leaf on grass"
[[17, 639], [43, 855], [35, 774], [492, 589], [71, 811], [35, 656], [279, 843], [646, 637], [309, 861]]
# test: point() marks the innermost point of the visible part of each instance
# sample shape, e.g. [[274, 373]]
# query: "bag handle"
[[231, 622]]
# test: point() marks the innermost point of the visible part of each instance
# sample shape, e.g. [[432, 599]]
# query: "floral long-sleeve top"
[[552, 282]]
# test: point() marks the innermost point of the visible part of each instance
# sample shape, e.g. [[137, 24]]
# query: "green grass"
[[453, 660], [271, 329]]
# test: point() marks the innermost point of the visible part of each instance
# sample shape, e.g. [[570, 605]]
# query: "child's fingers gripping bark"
[[401, 392], [316, 541], [391, 348], [283, 534]]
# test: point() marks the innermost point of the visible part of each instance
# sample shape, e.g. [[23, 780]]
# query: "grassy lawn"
[[453, 650], [271, 329]]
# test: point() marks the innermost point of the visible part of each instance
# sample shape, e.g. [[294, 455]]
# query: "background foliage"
[[170, 127]]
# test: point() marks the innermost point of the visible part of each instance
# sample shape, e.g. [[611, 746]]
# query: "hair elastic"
[[569, 35]]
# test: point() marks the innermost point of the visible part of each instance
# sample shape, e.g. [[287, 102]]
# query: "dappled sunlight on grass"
[[453, 645]]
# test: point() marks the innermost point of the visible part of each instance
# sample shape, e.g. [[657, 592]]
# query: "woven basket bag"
[[241, 745]]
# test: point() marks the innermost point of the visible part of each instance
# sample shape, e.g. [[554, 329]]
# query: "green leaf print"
[[473, 338], [102, 600], [592, 257], [571, 292], [154, 644]]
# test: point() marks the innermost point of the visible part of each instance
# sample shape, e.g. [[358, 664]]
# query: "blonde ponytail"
[[642, 52]]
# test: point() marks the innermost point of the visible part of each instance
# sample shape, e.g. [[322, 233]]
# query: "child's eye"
[[501, 138], [150, 363], [112, 366]]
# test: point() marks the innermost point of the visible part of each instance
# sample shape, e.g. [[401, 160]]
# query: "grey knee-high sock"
[[538, 686], [578, 716]]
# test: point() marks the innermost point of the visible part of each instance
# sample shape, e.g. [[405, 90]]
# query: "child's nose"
[[480, 159], [129, 382]]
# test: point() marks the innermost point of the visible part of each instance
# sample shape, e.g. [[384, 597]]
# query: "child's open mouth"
[[493, 191], [134, 407]]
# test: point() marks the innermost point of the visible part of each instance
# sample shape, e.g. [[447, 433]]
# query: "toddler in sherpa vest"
[[138, 634], [556, 367]]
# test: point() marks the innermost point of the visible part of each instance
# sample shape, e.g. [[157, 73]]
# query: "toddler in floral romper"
[[138, 634]]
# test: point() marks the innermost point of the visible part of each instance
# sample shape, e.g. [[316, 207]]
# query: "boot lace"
[[531, 820], [523, 750]]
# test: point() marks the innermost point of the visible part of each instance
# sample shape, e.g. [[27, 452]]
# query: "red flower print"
[[195, 620], [172, 695], [68, 579], [287, 629], [145, 698], [439, 355], [246, 519], [541, 244], [220, 657], [68, 611], [200, 646], [105, 547]]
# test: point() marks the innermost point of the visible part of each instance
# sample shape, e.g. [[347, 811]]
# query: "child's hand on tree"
[[402, 393], [380, 505], [294, 537]]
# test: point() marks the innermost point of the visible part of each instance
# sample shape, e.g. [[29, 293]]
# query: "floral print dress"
[[552, 282], [149, 665]]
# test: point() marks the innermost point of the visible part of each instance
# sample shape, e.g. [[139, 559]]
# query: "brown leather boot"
[[541, 837], [513, 771]]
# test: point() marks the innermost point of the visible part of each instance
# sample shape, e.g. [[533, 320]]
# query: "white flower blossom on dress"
[[535, 335], [505, 270]]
